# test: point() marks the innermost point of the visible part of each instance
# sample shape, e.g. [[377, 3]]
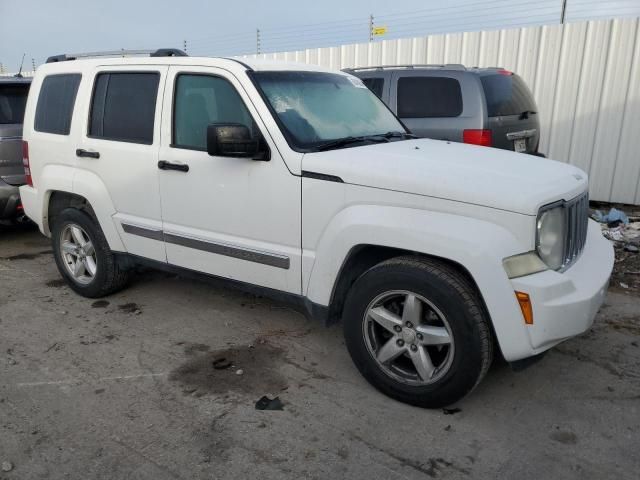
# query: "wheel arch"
[[474, 247], [57, 200], [362, 257]]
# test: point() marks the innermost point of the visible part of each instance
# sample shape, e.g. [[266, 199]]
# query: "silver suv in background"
[[13, 98], [484, 106]]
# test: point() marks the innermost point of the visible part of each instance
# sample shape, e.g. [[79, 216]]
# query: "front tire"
[[417, 331], [83, 256]]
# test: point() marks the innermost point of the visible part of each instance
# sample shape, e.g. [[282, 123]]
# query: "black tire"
[[109, 276], [453, 295]]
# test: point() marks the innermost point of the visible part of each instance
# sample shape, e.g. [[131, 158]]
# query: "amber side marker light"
[[525, 306]]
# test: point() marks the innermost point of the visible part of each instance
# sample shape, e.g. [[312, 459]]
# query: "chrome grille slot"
[[577, 218]]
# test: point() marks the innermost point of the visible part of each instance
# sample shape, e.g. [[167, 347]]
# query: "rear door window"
[[507, 94], [13, 99], [123, 107], [425, 97], [55, 103], [375, 85]]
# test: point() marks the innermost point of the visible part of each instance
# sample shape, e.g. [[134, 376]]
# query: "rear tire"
[[417, 331], [83, 256]]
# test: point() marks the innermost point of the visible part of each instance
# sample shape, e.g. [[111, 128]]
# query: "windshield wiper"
[[524, 115], [398, 134], [377, 138], [341, 142]]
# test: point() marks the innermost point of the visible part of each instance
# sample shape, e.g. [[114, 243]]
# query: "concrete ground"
[[125, 388]]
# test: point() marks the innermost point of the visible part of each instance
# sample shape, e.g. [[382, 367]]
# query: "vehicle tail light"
[[25, 163], [478, 137], [504, 72]]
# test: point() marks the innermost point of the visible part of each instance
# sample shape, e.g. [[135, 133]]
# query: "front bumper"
[[9, 201], [565, 304]]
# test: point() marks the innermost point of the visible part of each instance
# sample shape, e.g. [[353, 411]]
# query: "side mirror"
[[235, 140]]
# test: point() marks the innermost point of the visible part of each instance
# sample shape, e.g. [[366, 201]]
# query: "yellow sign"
[[379, 30]]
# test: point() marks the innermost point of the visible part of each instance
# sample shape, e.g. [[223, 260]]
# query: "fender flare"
[[88, 185]]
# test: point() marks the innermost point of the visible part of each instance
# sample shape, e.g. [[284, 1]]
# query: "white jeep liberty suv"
[[298, 181]]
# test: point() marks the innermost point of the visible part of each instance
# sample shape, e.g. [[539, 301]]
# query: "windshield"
[[13, 99], [317, 107]]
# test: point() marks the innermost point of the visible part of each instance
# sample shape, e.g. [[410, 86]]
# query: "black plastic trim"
[[151, 233], [265, 258], [322, 176]]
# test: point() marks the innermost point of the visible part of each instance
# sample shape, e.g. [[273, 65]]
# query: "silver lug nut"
[[419, 336], [400, 342], [413, 348], [397, 328], [409, 325]]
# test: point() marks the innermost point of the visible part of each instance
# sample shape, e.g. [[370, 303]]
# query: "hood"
[[454, 171]]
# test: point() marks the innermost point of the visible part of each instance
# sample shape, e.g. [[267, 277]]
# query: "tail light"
[[478, 137], [25, 163]]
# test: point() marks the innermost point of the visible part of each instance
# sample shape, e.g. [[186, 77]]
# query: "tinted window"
[[201, 100], [420, 97], [375, 85], [124, 107], [55, 103], [507, 94], [13, 99]]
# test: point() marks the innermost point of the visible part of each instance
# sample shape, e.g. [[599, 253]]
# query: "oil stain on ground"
[[58, 282], [129, 308], [216, 371], [27, 256]]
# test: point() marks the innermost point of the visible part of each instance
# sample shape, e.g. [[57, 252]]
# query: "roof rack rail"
[[161, 52], [451, 66]]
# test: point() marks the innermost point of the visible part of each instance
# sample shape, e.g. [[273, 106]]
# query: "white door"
[[235, 218], [120, 147]]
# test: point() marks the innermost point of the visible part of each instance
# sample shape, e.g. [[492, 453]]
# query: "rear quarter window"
[[375, 85], [123, 106], [13, 99], [424, 97], [507, 94], [56, 100]]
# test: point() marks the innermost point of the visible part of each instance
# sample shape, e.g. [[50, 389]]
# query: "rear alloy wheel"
[[417, 330], [78, 254], [83, 255]]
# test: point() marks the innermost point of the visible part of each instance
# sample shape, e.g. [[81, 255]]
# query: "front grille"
[[577, 218]]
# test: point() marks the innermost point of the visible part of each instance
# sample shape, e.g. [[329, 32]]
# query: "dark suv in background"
[[483, 106], [13, 98]]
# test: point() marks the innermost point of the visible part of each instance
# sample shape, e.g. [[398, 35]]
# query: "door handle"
[[81, 152], [180, 167]]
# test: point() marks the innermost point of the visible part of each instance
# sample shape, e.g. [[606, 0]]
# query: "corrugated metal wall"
[[585, 77]]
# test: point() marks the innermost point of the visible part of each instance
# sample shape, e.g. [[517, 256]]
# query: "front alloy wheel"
[[417, 330], [408, 337]]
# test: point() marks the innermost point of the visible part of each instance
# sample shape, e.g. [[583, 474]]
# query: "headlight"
[[551, 236]]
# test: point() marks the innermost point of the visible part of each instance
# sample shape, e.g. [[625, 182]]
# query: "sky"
[[40, 28]]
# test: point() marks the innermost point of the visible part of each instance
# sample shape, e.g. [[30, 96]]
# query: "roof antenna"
[[19, 74]]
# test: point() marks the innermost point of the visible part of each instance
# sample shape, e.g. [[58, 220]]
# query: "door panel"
[[121, 148], [232, 217]]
